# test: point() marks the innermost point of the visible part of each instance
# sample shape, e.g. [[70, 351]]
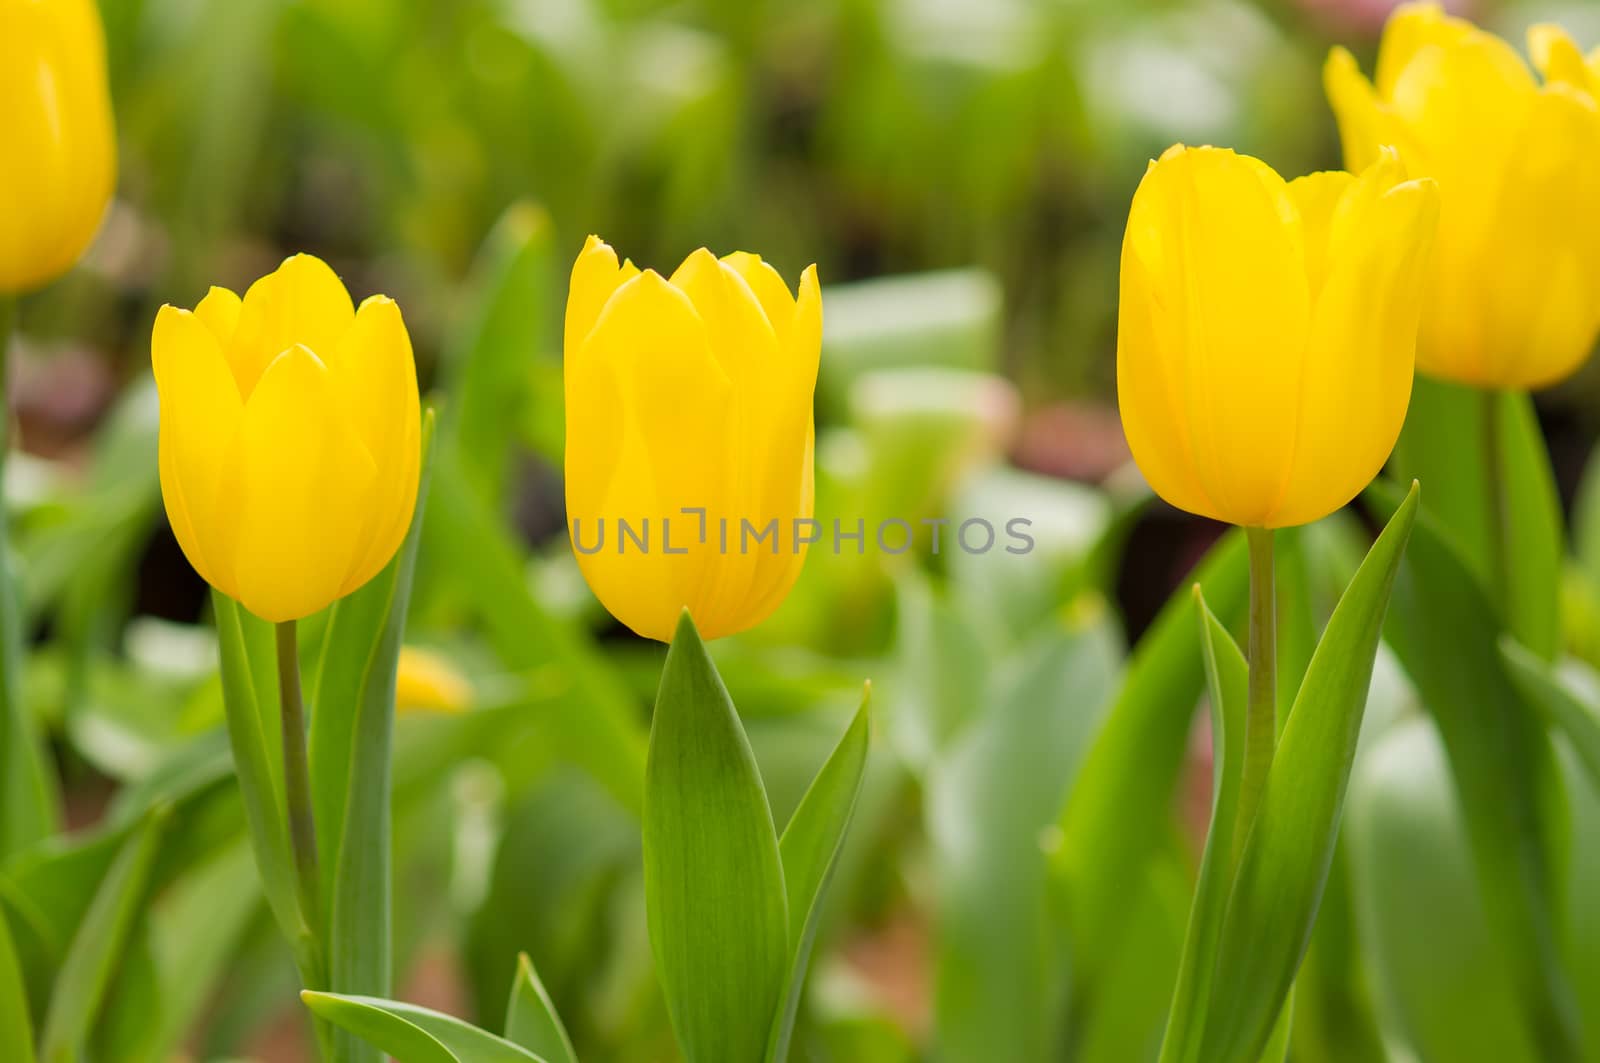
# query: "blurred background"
[[959, 170]]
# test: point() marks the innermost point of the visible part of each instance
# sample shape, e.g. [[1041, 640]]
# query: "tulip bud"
[[1515, 293], [689, 436], [1266, 331], [56, 137], [290, 437]]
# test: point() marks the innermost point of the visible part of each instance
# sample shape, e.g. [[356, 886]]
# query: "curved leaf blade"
[[531, 1018], [16, 1028], [809, 851], [1289, 847], [411, 1034], [714, 892]]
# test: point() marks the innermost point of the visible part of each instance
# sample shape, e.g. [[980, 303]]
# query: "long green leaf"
[[254, 764], [1228, 676], [1122, 800], [97, 946], [1446, 633], [1443, 445], [1287, 851], [531, 1017], [352, 729], [16, 1027], [809, 850], [714, 890], [411, 1034]]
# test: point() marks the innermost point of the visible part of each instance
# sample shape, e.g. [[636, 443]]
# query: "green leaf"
[[16, 1025], [1446, 633], [255, 764], [531, 1018], [1121, 803], [352, 727], [1228, 678], [98, 945], [1444, 986], [1569, 706], [1443, 445], [714, 890], [411, 1034], [1289, 847], [809, 851]]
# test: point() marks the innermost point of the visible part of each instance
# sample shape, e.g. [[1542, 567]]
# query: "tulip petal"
[[1317, 196], [741, 337], [374, 377], [220, 312], [595, 277], [200, 415], [649, 431], [1366, 123], [1412, 28], [1558, 59], [302, 302], [1216, 260], [1359, 361], [303, 484], [768, 286], [1541, 308]]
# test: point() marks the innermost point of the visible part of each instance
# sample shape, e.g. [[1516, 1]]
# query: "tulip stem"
[[1494, 467], [1261, 722], [297, 780]]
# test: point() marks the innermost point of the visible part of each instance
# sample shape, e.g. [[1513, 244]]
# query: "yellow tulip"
[[56, 137], [427, 683], [1515, 291], [1266, 331], [689, 422], [290, 437]]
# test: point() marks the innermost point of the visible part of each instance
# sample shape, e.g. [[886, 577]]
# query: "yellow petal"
[[56, 125], [1558, 59], [220, 312], [1317, 196], [649, 431], [302, 302], [1540, 290], [768, 286], [1411, 29], [200, 415], [1216, 255], [1366, 123], [1359, 360], [595, 276], [374, 378], [303, 484], [741, 337]]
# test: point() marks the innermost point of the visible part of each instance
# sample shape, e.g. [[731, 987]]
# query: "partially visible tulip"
[[426, 682], [58, 150], [290, 437], [1266, 331], [1515, 295], [690, 394]]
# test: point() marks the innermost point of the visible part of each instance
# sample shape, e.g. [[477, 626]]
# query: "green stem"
[[1499, 511], [297, 780], [1261, 722]]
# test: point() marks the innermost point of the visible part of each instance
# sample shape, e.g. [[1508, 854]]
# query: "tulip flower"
[[1515, 293], [689, 436], [290, 437], [1266, 331], [56, 136]]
